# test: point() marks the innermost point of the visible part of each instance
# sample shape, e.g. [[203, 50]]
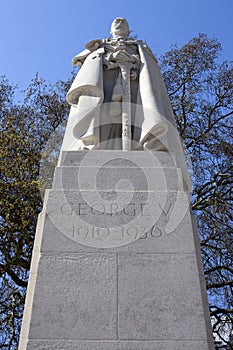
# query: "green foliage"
[[25, 129]]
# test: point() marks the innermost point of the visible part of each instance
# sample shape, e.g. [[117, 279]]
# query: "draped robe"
[[153, 117]]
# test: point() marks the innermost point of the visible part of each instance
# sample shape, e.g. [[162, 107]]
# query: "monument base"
[[116, 262]]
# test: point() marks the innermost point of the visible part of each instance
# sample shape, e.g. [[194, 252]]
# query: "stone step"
[[118, 178], [100, 157]]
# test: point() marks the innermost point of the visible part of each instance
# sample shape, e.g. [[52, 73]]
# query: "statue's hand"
[[122, 56]]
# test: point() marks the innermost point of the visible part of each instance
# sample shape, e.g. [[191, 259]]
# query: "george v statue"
[[119, 100]]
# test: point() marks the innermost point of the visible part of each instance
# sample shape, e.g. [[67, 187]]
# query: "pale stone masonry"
[[146, 294]]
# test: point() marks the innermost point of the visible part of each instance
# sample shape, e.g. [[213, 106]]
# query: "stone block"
[[160, 297], [105, 219], [116, 345], [111, 170], [118, 178], [99, 158], [75, 297], [171, 232]]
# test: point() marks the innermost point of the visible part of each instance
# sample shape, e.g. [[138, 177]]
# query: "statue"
[[119, 100]]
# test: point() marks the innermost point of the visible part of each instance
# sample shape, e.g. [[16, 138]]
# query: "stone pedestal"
[[116, 262]]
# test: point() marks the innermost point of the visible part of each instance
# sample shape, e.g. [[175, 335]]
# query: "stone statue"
[[118, 98]]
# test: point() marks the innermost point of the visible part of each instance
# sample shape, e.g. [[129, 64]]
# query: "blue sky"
[[43, 35]]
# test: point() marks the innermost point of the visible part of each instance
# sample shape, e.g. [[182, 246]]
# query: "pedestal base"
[[122, 271]]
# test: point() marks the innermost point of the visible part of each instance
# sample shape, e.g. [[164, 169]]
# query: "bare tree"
[[200, 85]]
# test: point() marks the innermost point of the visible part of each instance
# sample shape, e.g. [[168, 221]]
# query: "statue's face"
[[120, 28]]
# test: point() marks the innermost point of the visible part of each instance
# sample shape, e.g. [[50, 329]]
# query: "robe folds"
[[153, 114]]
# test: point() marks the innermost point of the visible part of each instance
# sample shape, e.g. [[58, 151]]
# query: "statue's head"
[[120, 28]]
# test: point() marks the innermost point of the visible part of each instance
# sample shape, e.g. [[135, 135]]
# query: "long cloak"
[[157, 123]]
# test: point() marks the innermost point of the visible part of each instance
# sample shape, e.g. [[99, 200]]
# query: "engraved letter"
[[98, 209], [66, 209], [144, 209], [129, 212]]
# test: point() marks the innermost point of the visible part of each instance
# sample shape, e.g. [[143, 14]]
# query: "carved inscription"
[[97, 209], [116, 233], [155, 232], [166, 212], [83, 229]]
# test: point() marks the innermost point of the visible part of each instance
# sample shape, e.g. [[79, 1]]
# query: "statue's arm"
[[90, 47]]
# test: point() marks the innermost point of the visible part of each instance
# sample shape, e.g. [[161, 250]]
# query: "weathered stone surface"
[[139, 179], [111, 170], [31, 283], [75, 297], [105, 219], [157, 290], [117, 345], [99, 158], [171, 232]]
